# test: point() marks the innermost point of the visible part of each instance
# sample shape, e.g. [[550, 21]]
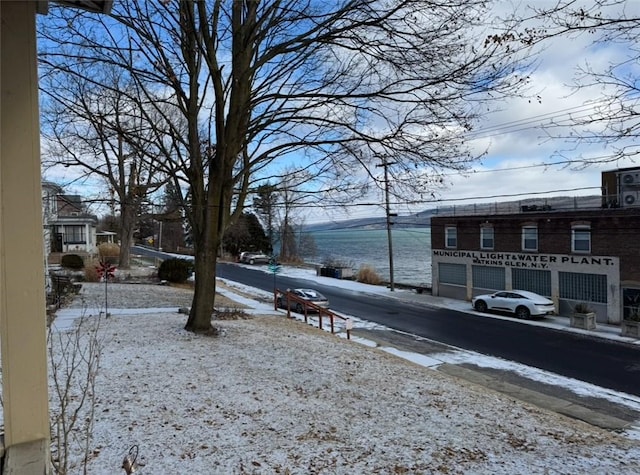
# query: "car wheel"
[[481, 306], [279, 303], [523, 312], [251, 261], [299, 308]]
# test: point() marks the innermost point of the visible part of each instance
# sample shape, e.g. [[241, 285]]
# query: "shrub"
[[367, 275], [91, 271], [74, 363], [582, 307], [109, 252], [72, 261], [175, 270]]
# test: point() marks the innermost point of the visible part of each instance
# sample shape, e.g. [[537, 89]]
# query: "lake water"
[[411, 251]]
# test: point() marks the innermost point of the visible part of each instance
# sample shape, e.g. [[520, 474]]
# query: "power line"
[[524, 167], [537, 121], [401, 203], [445, 200]]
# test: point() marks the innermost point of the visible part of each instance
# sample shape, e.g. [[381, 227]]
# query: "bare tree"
[[257, 85], [99, 130], [74, 360], [293, 198], [613, 116]]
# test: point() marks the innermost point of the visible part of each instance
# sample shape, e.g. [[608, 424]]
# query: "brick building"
[[571, 250]]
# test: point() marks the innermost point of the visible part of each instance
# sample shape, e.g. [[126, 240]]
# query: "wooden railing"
[[307, 306]]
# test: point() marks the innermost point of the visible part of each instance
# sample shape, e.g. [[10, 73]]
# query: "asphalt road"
[[149, 252], [605, 363]]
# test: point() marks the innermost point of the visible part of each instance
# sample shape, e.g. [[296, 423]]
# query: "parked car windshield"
[[311, 294]]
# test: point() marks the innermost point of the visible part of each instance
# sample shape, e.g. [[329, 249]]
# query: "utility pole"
[[385, 165]]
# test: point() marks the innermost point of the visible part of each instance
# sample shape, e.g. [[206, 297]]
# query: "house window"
[[486, 237], [451, 237], [529, 238], [74, 235], [581, 239]]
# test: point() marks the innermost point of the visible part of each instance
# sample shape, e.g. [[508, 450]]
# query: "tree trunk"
[[127, 222], [199, 320], [124, 259], [206, 247]]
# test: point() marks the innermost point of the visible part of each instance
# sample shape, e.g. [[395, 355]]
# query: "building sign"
[[528, 261]]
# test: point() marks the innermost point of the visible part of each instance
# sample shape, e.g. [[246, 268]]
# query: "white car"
[[522, 303]]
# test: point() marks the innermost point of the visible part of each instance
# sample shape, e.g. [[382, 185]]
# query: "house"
[[570, 250], [106, 237], [68, 227]]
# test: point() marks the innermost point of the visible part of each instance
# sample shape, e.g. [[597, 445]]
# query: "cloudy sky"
[[519, 141]]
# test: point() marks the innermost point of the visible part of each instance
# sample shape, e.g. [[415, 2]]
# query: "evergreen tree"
[[246, 234], [172, 216], [265, 202]]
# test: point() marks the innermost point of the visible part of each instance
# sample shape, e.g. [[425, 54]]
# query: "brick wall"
[[614, 232]]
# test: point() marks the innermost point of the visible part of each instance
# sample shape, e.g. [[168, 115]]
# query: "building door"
[[56, 242], [630, 302]]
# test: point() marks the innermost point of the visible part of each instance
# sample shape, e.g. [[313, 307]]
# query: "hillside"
[[423, 218]]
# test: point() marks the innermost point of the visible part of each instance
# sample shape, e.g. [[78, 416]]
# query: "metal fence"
[[530, 205]]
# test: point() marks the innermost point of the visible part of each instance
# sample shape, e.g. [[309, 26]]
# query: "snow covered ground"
[[273, 395]]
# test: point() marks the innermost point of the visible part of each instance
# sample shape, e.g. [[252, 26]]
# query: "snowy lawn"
[[273, 395]]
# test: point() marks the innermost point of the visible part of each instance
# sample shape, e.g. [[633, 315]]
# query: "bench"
[[61, 287]]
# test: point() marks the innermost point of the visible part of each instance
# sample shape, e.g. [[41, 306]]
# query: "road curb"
[[538, 399]]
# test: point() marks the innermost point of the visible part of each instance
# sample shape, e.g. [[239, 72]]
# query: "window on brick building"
[[533, 280], [455, 274], [486, 277], [486, 237], [583, 287], [581, 239], [451, 237], [530, 238]]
